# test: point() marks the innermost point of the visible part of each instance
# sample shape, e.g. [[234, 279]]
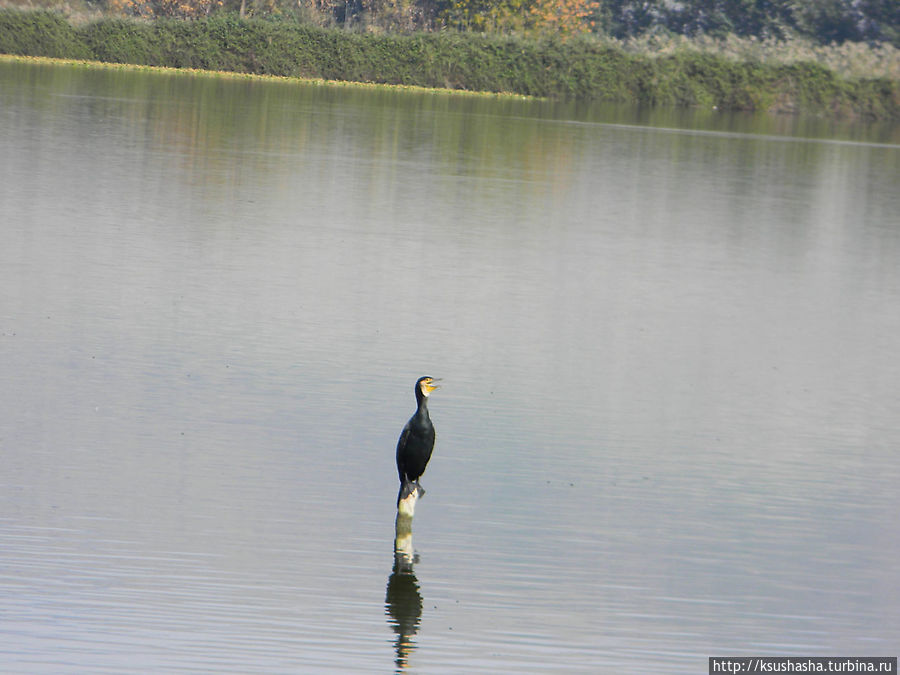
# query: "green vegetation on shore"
[[583, 68]]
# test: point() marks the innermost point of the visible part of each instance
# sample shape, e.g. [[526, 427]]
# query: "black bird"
[[416, 442]]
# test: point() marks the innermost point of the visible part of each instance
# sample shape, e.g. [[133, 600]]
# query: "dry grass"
[[78, 12], [851, 59]]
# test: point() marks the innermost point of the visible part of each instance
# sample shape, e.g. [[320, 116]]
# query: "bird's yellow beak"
[[430, 385]]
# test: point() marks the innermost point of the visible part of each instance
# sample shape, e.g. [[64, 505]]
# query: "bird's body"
[[416, 443]]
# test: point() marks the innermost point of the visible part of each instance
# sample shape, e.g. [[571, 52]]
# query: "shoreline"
[[230, 74], [452, 63]]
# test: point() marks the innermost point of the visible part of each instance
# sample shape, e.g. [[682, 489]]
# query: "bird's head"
[[426, 385]]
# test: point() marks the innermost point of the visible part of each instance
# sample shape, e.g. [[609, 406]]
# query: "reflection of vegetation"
[[274, 127], [582, 69]]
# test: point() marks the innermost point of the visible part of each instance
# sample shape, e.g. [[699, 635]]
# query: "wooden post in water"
[[406, 509]]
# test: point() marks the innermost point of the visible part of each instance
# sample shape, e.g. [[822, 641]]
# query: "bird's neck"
[[422, 406]]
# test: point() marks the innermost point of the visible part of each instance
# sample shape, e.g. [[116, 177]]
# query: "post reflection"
[[403, 602]]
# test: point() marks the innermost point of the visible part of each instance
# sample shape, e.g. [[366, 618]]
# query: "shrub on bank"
[[580, 68], [39, 34]]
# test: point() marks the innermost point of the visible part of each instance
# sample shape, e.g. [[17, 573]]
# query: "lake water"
[[670, 349]]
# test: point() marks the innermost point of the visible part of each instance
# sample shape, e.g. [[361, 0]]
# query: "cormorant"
[[416, 442]]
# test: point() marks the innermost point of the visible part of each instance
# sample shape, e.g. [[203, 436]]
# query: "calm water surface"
[[670, 346]]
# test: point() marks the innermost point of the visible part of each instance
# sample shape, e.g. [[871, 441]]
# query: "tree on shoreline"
[[183, 9], [825, 21]]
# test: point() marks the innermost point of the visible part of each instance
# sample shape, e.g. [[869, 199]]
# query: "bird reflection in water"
[[403, 602]]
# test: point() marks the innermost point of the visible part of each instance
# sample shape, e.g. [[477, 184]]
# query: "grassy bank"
[[584, 69]]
